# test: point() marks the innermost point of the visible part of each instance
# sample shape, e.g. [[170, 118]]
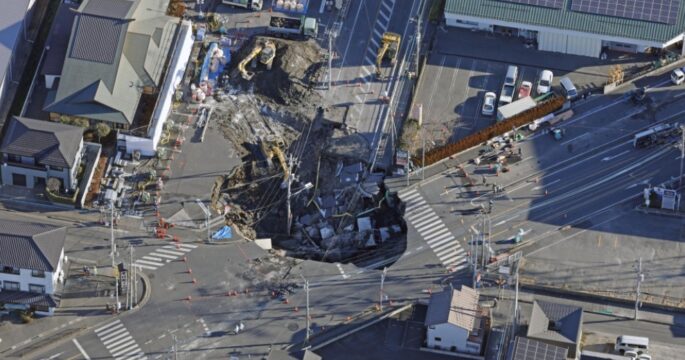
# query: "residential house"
[[116, 53], [31, 263], [454, 322], [529, 349], [35, 150], [14, 21], [557, 324]]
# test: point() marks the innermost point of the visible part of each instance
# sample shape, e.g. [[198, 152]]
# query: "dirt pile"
[[297, 68]]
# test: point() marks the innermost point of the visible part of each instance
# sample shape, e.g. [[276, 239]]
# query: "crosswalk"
[[119, 342], [433, 230], [163, 255]]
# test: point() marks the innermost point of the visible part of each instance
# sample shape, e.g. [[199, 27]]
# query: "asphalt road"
[[573, 199]]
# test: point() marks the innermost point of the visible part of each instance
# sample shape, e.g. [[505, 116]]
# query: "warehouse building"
[[579, 27]]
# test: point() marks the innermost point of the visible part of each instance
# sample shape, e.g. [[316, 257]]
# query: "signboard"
[[514, 257]]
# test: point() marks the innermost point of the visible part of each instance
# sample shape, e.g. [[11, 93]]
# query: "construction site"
[[303, 180]]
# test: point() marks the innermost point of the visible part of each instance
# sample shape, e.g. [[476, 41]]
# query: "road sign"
[[515, 257]]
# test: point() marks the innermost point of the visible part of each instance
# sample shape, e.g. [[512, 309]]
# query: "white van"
[[568, 87], [512, 74], [677, 77], [638, 344]]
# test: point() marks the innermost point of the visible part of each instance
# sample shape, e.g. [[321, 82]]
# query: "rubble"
[[279, 112]]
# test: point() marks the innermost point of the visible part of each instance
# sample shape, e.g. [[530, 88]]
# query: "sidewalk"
[[82, 307]]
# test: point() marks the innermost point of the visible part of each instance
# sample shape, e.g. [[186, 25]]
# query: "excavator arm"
[[390, 45], [247, 75]]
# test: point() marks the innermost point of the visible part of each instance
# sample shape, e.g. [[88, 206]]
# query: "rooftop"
[[11, 18], [529, 349], [457, 307], [555, 322], [51, 143], [28, 245], [565, 18], [116, 48]]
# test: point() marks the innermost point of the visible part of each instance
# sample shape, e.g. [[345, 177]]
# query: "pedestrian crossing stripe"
[[433, 230], [163, 255], [119, 342]]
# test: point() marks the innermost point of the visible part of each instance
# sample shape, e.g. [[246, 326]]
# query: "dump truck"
[[289, 27], [506, 111], [255, 5]]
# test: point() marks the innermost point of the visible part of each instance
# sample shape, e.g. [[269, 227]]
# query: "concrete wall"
[[450, 336]]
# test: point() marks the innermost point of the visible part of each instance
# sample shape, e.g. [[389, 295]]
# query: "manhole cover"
[[293, 327]]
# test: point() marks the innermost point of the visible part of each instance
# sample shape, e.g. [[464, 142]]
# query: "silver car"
[[489, 103]]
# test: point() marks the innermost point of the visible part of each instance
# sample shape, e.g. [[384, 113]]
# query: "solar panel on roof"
[[555, 4], [659, 11]]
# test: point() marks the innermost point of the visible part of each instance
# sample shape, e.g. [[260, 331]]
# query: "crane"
[[390, 45]]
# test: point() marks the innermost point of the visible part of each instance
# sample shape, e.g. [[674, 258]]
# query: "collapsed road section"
[[304, 180]]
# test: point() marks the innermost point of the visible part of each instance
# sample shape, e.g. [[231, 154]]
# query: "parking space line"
[[428, 108]]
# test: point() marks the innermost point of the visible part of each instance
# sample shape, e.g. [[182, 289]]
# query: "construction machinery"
[[390, 46], [266, 52], [273, 146]]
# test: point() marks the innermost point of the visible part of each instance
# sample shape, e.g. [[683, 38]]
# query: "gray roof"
[[50, 143], [529, 349], [11, 20], [555, 322], [457, 307], [116, 48], [58, 40], [31, 245], [564, 18], [27, 298]]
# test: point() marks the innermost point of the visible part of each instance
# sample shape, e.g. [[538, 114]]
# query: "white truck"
[[506, 111], [290, 27], [255, 5]]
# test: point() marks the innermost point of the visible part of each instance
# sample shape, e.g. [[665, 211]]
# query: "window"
[[11, 286], [14, 158], [38, 273], [56, 168], [438, 338], [10, 270], [38, 289]]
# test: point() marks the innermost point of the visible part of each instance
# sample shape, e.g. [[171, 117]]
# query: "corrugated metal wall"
[[569, 44]]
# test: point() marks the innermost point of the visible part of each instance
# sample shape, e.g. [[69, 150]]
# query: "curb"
[[146, 297]]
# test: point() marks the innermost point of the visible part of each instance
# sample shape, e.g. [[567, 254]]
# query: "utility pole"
[[173, 337], [385, 270], [306, 290], [640, 277], [113, 247], [331, 34], [418, 40], [291, 178], [516, 300], [423, 146], [682, 156], [131, 278]]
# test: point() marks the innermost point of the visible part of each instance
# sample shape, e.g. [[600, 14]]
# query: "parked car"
[[489, 104], [525, 89], [545, 82], [677, 76]]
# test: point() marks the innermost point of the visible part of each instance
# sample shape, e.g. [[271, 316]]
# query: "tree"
[[102, 130], [76, 121], [53, 185]]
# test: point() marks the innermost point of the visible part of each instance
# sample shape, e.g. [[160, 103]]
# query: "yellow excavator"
[[272, 146], [266, 52], [390, 45]]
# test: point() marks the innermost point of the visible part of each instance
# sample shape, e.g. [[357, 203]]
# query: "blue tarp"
[[224, 233]]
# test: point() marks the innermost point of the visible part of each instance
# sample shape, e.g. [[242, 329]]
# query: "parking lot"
[[455, 79]]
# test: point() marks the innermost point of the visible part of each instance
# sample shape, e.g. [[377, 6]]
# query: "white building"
[[36, 150], [31, 259], [454, 322], [579, 27]]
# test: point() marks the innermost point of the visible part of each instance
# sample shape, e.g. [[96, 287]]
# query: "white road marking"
[[342, 272], [609, 158], [83, 352], [574, 139], [54, 356], [146, 262], [177, 253], [388, 6], [546, 185]]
